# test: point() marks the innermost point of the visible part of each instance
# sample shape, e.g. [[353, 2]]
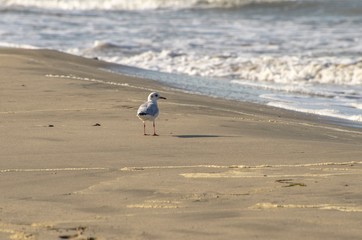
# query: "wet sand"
[[74, 163]]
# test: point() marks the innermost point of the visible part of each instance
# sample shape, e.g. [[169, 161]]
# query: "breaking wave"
[[134, 4], [277, 69]]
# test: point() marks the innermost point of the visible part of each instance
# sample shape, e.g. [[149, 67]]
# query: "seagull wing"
[[148, 108]]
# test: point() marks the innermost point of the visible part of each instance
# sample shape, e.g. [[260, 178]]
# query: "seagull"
[[148, 111]]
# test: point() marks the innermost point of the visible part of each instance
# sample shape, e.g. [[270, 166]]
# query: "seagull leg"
[[154, 129], [144, 129]]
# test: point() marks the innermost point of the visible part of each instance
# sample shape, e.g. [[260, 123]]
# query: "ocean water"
[[302, 55]]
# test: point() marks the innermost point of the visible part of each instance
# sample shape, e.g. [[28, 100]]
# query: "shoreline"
[[160, 76], [74, 162]]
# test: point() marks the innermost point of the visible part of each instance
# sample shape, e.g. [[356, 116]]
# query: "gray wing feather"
[[148, 108]]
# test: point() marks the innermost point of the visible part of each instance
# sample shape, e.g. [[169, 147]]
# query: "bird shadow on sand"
[[198, 136]]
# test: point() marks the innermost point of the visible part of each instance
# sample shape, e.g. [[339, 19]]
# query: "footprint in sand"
[[78, 235]]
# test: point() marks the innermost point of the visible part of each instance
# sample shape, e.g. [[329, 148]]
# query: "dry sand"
[[218, 170]]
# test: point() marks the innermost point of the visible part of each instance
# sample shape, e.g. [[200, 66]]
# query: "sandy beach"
[[74, 163]]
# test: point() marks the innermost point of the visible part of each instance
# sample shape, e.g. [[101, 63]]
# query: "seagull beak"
[[162, 97]]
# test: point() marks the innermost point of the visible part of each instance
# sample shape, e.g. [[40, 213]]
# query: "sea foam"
[[132, 5]]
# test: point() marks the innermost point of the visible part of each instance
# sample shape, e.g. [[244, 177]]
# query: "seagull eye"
[[156, 95]]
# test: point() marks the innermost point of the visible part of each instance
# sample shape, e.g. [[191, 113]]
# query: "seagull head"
[[154, 96]]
